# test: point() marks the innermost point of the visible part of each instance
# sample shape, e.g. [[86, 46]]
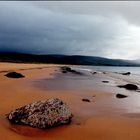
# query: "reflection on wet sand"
[[102, 95]]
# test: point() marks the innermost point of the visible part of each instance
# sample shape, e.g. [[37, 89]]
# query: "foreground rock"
[[129, 86], [121, 96], [14, 75], [42, 114]]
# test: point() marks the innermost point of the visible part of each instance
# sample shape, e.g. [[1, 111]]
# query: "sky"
[[106, 29]]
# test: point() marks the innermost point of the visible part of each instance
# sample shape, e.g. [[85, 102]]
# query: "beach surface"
[[105, 117]]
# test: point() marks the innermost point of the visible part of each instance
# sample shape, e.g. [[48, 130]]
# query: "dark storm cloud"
[[128, 9], [86, 28]]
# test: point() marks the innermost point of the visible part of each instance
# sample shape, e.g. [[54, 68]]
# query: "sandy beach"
[[103, 118]]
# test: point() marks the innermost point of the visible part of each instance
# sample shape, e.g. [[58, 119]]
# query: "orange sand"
[[16, 92]]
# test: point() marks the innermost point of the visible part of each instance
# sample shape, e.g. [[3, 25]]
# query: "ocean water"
[[114, 71], [133, 70]]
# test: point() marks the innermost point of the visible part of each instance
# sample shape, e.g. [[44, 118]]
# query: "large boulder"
[[42, 114], [14, 75]]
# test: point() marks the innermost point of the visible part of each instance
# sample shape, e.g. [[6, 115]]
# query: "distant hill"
[[64, 59]]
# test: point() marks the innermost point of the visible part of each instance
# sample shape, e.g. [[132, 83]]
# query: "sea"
[[133, 70]]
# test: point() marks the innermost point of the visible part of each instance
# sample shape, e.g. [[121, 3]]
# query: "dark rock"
[[14, 75], [78, 123], [86, 100], [76, 72], [126, 73], [66, 69], [129, 86], [39, 68], [42, 114], [105, 81], [94, 72], [121, 96]]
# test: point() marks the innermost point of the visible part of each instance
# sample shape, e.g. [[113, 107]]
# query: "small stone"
[[94, 72], [105, 81], [121, 96], [126, 73], [86, 100]]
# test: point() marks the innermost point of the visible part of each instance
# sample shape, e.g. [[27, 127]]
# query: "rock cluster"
[[66, 69], [42, 114]]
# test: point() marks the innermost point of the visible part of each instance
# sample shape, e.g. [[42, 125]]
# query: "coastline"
[[85, 126]]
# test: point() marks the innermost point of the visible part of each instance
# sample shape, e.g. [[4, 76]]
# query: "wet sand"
[[104, 118]]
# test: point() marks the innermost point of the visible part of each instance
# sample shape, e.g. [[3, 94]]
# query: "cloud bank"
[[106, 29]]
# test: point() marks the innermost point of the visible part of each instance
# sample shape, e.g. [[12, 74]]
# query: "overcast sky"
[[106, 29]]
